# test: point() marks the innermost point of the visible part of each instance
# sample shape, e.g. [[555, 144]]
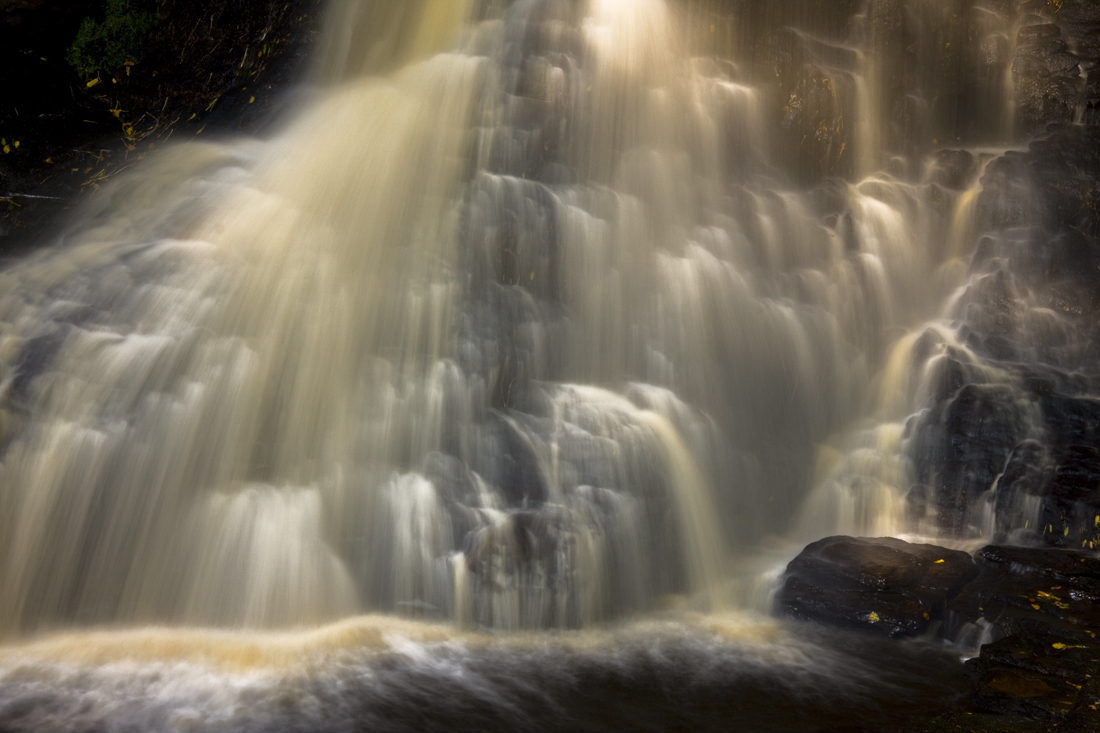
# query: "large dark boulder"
[[884, 585]]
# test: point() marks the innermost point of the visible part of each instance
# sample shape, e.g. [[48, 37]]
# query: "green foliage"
[[120, 37]]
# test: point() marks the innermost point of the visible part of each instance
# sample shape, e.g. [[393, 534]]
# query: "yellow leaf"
[[873, 617], [926, 616], [1035, 606], [92, 83], [49, 160], [16, 144], [937, 562], [251, 100], [1060, 645], [7, 148]]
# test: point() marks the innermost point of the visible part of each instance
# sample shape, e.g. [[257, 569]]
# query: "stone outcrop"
[[884, 586], [1037, 609], [1013, 420]]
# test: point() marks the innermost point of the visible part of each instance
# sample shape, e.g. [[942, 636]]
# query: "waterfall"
[[517, 323], [500, 382]]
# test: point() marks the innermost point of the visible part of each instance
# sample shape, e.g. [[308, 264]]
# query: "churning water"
[[523, 337]]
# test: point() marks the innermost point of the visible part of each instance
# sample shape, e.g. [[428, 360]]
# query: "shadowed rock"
[[1020, 589], [884, 585], [1044, 605]]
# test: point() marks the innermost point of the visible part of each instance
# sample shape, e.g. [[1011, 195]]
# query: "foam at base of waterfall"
[[363, 672]]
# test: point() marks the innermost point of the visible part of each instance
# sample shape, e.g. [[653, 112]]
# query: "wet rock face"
[[1043, 610], [884, 586], [1012, 425], [1037, 589], [966, 442], [1039, 676], [1052, 186], [1039, 609], [1056, 71]]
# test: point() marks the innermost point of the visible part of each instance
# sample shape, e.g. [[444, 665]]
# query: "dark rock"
[[1024, 589], [1052, 185], [954, 169], [1040, 676], [1071, 419], [1030, 306], [1046, 76], [961, 447], [884, 585]]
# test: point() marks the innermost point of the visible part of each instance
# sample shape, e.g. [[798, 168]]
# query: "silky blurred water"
[[518, 326]]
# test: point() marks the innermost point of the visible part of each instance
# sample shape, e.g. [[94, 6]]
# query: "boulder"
[[884, 586]]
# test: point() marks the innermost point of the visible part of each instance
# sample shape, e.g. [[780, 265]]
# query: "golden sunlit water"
[[515, 359]]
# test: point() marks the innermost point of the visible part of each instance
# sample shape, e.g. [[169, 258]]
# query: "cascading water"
[[532, 319]]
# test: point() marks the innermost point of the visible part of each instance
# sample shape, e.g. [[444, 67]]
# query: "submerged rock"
[[884, 585]]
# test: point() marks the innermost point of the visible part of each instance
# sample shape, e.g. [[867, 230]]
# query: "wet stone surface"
[[1041, 676], [1055, 72], [1009, 433], [1038, 608], [884, 586]]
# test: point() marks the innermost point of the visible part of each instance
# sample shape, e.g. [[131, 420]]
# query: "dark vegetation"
[[88, 87]]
